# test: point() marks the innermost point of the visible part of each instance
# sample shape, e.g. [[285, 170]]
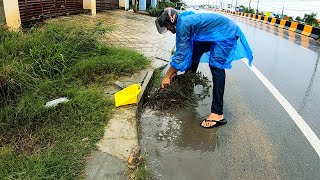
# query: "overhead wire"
[[288, 5]]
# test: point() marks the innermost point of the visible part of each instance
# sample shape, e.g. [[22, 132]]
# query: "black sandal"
[[218, 123]]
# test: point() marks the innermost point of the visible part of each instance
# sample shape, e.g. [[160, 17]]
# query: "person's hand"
[[165, 82], [167, 78]]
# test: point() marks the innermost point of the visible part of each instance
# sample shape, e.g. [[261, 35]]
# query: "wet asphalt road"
[[260, 141]]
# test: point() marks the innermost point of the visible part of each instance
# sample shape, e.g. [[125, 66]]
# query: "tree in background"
[[160, 6], [247, 10], [286, 17], [310, 19], [290, 18], [298, 19]]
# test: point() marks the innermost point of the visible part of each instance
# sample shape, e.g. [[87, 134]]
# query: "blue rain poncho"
[[228, 41]]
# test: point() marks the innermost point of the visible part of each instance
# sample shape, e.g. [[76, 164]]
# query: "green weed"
[[142, 173], [55, 60], [110, 61], [48, 142]]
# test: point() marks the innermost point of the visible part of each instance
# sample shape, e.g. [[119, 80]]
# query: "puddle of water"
[[180, 131], [175, 144]]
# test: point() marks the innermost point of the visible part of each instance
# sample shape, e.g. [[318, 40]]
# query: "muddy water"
[[175, 144], [251, 146]]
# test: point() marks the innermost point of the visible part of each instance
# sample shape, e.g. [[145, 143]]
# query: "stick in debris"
[[180, 93]]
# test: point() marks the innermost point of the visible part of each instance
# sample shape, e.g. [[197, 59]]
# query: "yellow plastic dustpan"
[[128, 95]]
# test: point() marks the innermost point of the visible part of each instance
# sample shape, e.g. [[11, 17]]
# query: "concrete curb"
[[143, 95], [145, 89], [145, 85], [120, 138], [302, 29]]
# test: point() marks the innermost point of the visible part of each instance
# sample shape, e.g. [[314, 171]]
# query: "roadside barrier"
[[293, 26], [282, 23], [303, 29], [265, 20], [259, 18], [254, 16], [300, 28], [315, 33], [273, 21]]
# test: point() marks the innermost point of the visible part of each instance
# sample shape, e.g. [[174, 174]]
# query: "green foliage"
[[57, 60], [298, 18], [310, 19], [142, 173], [160, 6], [155, 11], [248, 10], [290, 18], [163, 4], [110, 61], [47, 143], [42, 53]]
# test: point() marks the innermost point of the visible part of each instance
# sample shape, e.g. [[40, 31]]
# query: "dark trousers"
[[218, 77]]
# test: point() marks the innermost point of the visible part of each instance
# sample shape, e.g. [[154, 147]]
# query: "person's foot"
[[216, 117]]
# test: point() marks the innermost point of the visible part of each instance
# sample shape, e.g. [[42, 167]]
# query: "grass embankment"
[[56, 60]]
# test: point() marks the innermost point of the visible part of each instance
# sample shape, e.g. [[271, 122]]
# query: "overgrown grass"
[[48, 142], [110, 61], [142, 173], [56, 60]]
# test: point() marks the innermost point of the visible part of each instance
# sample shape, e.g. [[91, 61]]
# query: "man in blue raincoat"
[[200, 33]]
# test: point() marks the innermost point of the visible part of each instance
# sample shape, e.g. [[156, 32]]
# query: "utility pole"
[[258, 7], [236, 3], [249, 4], [283, 8]]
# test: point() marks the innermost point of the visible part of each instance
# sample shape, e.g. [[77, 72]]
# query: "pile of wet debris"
[[180, 93]]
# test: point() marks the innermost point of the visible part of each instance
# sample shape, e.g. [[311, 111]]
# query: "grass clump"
[[142, 173], [26, 58], [110, 61], [53, 61], [48, 142]]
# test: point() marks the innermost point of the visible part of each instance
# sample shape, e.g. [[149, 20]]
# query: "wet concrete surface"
[[292, 69], [102, 166], [254, 143], [138, 32], [296, 38], [260, 141]]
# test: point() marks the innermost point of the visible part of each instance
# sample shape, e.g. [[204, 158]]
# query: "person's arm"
[[181, 59], [167, 78]]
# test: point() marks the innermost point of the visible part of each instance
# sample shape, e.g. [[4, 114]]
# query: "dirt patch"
[[24, 142]]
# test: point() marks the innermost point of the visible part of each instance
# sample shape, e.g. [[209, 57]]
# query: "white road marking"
[[308, 49], [303, 126]]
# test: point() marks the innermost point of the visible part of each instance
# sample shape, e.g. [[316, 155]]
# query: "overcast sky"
[[291, 7]]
